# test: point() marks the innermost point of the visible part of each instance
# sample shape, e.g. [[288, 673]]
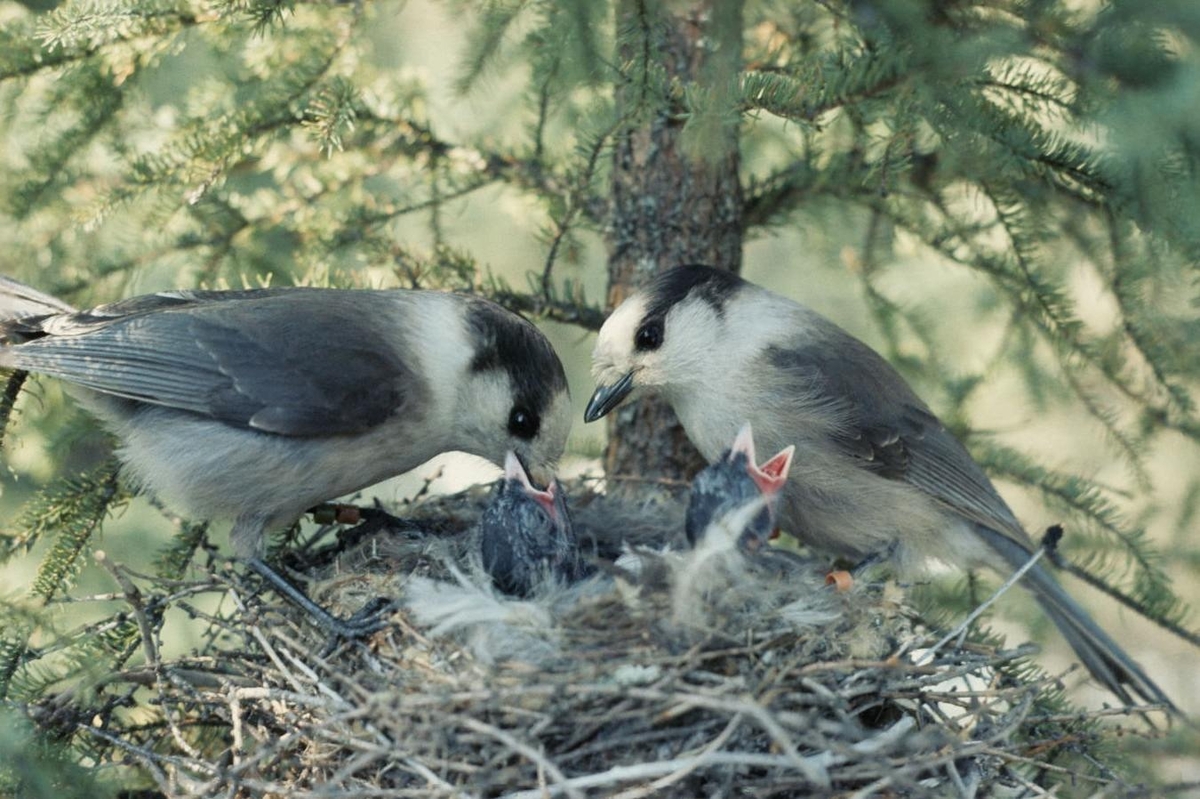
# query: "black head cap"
[[505, 341], [669, 288]]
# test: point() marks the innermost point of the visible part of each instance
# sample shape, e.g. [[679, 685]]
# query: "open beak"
[[606, 398], [550, 499], [771, 475]]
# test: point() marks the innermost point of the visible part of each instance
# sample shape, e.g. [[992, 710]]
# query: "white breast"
[[736, 383]]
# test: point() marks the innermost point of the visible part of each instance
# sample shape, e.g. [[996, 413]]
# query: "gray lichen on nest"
[[665, 674]]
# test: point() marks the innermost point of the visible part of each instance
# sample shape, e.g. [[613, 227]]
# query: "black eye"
[[649, 336], [523, 423]]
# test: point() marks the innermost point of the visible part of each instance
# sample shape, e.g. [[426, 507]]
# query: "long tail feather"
[[1102, 656]]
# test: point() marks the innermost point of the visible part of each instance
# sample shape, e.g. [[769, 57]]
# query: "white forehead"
[[615, 341]]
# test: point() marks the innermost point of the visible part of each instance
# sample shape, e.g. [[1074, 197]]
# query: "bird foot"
[[365, 622]]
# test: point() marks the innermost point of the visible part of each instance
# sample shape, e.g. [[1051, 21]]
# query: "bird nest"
[[664, 674]]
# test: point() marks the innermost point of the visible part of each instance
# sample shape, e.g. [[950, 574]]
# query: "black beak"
[[608, 397]]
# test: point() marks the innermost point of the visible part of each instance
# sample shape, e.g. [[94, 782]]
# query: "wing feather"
[[888, 429], [292, 362]]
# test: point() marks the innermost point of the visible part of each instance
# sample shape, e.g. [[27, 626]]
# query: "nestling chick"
[[526, 534], [257, 405], [732, 568], [731, 484], [880, 473]]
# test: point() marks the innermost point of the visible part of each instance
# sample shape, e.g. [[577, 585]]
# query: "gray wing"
[[890, 431], [285, 361]]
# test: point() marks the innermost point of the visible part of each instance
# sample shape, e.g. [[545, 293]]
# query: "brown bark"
[[670, 207]]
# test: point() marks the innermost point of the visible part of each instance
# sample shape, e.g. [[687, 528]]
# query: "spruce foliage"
[[1047, 149]]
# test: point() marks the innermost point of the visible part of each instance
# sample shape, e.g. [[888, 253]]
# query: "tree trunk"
[[670, 207]]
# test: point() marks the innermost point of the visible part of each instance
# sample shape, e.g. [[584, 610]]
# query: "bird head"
[[663, 336], [514, 395], [739, 493], [526, 532]]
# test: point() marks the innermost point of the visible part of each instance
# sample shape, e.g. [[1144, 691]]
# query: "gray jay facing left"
[[257, 405], [876, 472]]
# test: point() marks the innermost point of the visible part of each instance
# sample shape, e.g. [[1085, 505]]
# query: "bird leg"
[[369, 619], [367, 521], [875, 558]]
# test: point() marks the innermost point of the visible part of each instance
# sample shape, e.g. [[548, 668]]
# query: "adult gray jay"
[[526, 534], [876, 471], [257, 405]]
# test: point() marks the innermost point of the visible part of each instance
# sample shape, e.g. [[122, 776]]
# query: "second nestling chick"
[[526, 534], [732, 568], [735, 486]]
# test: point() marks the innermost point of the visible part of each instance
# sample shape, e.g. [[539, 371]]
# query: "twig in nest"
[[961, 630]]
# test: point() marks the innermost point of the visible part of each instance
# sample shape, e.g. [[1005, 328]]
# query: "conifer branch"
[[72, 511], [60, 42], [1037, 148], [587, 317], [950, 241], [574, 203], [8, 401], [1128, 601]]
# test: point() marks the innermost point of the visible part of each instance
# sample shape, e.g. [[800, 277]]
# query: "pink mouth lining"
[[513, 470], [771, 475]]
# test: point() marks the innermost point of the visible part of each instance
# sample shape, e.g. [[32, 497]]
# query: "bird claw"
[[372, 612], [363, 623]]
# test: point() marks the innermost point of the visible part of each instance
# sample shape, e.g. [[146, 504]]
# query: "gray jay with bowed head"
[[257, 405], [876, 472]]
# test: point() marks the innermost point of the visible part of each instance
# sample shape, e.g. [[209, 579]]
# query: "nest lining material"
[[701, 675]]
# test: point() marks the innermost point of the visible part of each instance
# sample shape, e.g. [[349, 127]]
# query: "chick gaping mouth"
[[514, 472], [771, 475]]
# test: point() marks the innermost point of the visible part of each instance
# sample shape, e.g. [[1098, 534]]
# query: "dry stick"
[[870, 790], [531, 754], [422, 770], [149, 757], [975, 614], [274, 656], [1029, 786], [676, 776], [655, 768], [809, 767], [956, 778], [1042, 765], [134, 597]]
